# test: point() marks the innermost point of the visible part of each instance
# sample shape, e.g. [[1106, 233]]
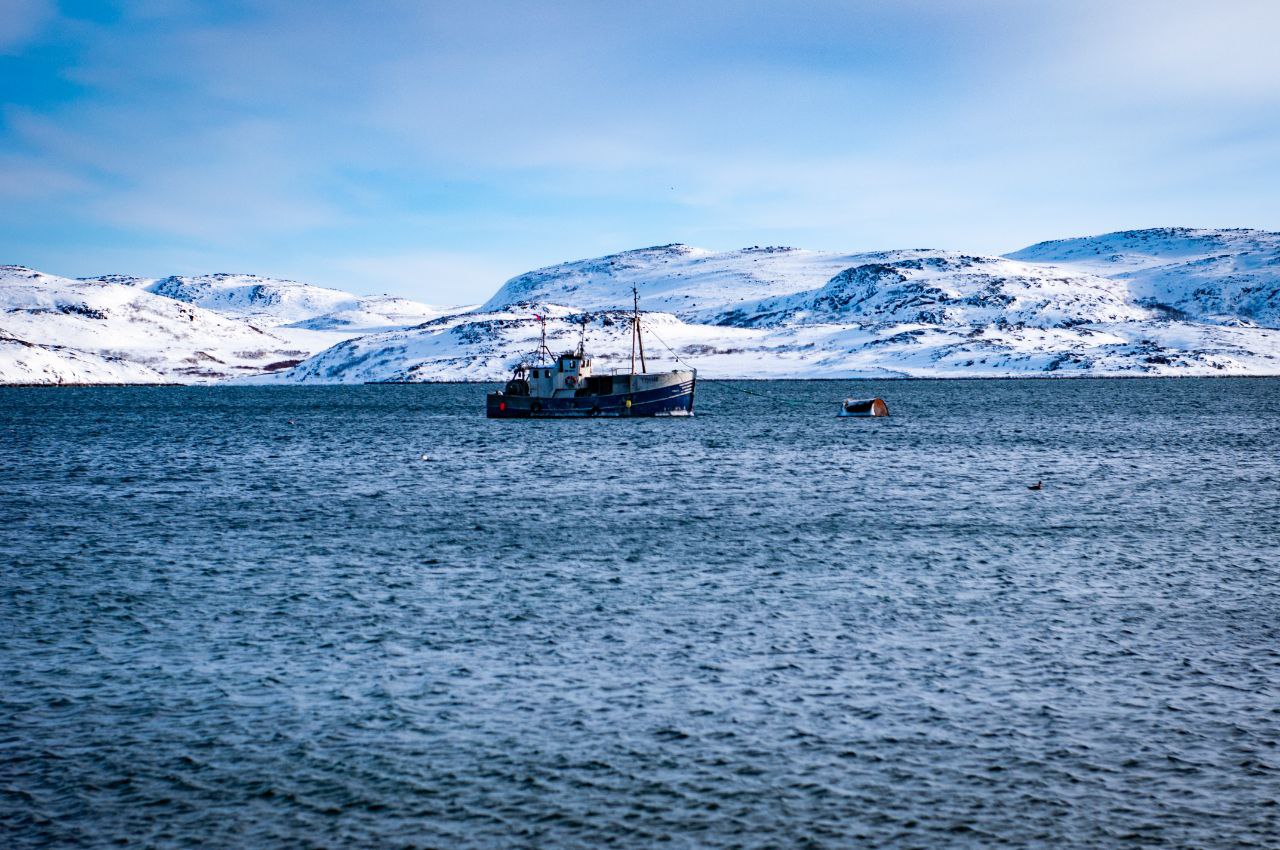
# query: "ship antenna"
[[543, 351], [582, 339]]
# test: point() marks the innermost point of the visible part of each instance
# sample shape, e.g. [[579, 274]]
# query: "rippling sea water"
[[256, 617]]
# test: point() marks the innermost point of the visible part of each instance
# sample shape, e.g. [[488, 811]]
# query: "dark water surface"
[[762, 627]]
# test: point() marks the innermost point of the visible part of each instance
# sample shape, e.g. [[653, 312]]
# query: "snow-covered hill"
[[274, 302], [85, 325], [375, 313], [122, 329], [1159, 302], [23, 362], [1217, 275], [784, 312], [945, 288], [484, 346], [691, 283]]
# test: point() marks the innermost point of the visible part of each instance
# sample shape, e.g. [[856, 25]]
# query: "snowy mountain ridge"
[[1167, 301], [1221, 275], [695, 284], [68, 331], [940, 288], [274, 302], [123, 329], [786, 312]]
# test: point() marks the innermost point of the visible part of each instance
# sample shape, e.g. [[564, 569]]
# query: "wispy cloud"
[[21, 21], [445, 146]]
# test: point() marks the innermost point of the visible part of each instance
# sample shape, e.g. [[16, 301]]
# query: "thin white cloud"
[[430, 139], [1180, 53], [21, 21], [32, 179]]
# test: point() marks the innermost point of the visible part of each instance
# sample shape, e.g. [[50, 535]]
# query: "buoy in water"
[[864, 407]]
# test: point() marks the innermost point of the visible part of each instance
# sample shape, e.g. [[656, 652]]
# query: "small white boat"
[[864, 407]]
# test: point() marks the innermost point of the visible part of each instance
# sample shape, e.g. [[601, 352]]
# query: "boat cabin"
[[570, 375]]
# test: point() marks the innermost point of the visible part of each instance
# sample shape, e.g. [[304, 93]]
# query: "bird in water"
[[1039, 485]]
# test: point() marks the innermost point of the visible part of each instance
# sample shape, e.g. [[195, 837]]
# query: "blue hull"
[[672, 399]]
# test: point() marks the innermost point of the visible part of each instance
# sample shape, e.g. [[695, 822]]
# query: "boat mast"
[[544, 353], [636, 338]]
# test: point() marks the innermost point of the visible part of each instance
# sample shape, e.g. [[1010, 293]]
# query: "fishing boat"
[[568, 385]]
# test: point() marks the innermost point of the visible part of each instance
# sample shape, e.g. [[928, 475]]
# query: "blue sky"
[[434, 149]]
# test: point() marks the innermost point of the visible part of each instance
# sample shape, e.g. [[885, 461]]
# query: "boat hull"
[[663, 394], [862, 407]]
